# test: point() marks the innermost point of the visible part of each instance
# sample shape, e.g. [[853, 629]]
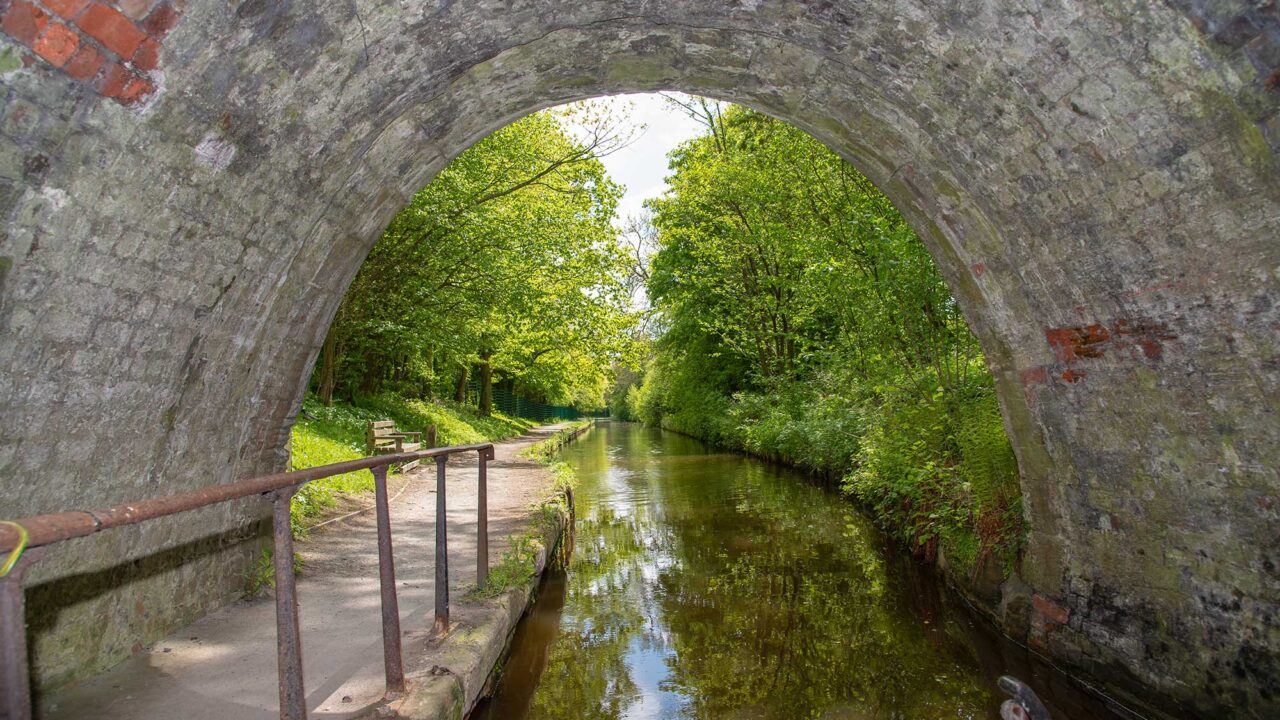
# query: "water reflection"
[[708, 585]]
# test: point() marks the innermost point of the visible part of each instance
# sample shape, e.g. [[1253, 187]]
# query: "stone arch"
[[1099, 184]]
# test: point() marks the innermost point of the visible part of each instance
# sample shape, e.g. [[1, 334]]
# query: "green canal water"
[[704, 584]]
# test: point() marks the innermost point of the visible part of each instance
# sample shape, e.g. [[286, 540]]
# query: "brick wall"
[[113, 47]]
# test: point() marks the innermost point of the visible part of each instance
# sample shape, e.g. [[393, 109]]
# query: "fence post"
[[431, 436], [392, 657], [293, 699], [482, 520], [442, 553], [15, 675]]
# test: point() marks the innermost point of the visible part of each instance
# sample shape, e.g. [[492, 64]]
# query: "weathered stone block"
[[1111, 167]]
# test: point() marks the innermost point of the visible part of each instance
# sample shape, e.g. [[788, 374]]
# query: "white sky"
[[642, 165]]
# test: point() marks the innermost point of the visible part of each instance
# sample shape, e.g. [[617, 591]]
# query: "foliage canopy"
[[802, 319], [508, 263]]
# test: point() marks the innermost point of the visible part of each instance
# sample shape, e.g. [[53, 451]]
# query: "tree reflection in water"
[[708, 585]]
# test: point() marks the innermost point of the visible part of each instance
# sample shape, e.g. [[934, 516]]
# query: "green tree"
[[800, 318], [507, 265]]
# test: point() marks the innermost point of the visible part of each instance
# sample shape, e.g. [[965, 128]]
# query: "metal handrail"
[[44, 530]]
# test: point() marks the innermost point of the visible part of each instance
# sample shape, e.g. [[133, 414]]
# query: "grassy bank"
[[544, 451], [324, 435]]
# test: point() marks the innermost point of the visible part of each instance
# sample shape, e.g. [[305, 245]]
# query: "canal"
[[704, 584]]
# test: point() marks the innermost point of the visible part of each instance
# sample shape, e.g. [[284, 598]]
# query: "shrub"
[[940, 471]]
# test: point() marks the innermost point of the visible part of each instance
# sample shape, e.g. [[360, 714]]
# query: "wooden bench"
[[383, 438]]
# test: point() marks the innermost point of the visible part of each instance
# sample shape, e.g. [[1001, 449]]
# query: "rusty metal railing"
[[24, 542]]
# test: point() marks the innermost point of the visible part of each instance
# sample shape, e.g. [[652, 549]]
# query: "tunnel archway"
[[1097, 184]]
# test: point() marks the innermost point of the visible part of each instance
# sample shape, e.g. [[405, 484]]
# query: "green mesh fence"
[[508, 402]]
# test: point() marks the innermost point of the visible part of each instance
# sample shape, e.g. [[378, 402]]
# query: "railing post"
[[442, 552], [15, 677], [392, 658], [293, 699], [482, 520]]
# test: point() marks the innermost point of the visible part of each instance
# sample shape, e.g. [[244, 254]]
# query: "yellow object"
[[17, 550]]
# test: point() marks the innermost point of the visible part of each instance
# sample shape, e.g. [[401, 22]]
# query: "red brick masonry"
[[1050, 610], [110, 46]]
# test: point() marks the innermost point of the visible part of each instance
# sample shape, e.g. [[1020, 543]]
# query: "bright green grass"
[[545, 450], [324, 435], [517, 565]]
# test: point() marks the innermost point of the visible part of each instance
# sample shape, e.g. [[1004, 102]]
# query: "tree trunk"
[[427, 391], [486, 386], [460, 388], [328, 358], [371, 377]]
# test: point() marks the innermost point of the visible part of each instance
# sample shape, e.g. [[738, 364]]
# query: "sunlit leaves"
[[509, 255], [805, 321]]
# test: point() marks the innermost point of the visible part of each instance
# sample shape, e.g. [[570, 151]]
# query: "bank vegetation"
[[797, 317]]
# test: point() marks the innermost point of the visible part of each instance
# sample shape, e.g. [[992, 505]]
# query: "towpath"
[[223, 667]]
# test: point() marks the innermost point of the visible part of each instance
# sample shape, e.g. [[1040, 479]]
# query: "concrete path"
[[223, 667]]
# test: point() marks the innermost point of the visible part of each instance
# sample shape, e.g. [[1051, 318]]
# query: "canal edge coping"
[[448, 686]]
